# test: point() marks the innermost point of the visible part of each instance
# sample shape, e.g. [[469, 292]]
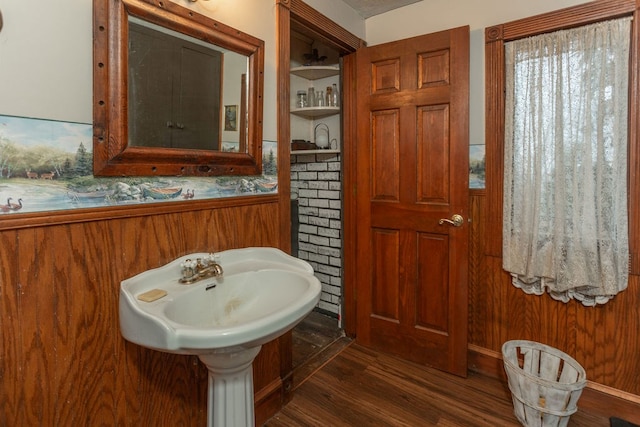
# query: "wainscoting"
[[63, 361], [605, 340]]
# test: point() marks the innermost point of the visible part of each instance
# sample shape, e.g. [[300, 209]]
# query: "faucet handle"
[[188, 269], [188, 263], [213, 263]]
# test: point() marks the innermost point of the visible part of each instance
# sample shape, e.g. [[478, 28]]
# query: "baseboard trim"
[[326, 312], [598, 399], [268, 401]]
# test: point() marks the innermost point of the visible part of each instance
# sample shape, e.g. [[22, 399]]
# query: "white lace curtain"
[[565, 181]]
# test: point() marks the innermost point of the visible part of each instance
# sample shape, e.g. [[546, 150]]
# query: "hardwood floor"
[[313, 335], [362, 387], [316, 340]]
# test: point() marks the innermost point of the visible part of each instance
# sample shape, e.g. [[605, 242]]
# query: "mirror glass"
[[194, 102], [177, 93]]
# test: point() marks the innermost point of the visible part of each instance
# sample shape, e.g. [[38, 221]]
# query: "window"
[[565, 195], [563, 126]]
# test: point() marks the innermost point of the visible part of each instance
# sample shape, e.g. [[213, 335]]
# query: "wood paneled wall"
[[605, 339], [63, 361]]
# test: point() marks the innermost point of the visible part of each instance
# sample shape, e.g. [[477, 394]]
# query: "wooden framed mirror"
[[175, 92]]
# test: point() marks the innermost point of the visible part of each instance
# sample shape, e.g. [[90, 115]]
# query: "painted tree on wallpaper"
[[477, 161], [31, 162], [48, 162], [7, 154], [83, 165], [269, 165], [40, 149], [47, 165]]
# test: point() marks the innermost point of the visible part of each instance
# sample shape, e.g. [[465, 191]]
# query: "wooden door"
[[199, 111], [412, 173]]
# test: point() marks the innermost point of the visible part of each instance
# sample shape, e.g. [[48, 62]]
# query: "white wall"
[[342, 14], [46, 46], [435, 15], [46, 55], [45, 59]]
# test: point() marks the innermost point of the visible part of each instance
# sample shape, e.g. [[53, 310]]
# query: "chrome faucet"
[[198, 269]]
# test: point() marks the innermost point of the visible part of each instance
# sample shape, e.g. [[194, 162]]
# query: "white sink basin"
[[262, 294], [248, 309]]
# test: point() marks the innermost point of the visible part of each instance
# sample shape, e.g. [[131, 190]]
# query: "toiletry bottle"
[[311, 97], [334, 95], [301, 100], [320, 99]]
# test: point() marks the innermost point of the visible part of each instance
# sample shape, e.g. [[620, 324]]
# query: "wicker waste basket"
[[545, 383]]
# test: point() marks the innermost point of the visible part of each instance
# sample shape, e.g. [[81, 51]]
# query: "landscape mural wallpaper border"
[[477, 166], [47, 165]]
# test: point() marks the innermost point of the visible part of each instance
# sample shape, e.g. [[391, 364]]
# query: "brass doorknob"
[[456, 220]]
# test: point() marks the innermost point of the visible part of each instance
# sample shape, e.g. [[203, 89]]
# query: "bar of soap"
[[152, 295]]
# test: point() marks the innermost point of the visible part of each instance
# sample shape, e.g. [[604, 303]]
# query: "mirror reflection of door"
[[174, 91]]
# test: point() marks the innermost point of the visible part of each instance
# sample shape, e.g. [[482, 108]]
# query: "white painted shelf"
[[319, 151], [315, 112], [315, 72]]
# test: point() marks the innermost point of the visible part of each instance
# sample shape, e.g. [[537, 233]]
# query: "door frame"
[[338, 38]]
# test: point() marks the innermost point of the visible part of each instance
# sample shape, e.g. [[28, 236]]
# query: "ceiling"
[[368, 8]]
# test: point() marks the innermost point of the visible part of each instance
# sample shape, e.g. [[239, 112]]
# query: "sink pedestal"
[[230, 396]]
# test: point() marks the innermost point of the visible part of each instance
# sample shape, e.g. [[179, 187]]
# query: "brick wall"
[[316, 184]]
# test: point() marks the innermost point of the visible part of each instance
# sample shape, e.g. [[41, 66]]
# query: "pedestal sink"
[[225, 320]]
